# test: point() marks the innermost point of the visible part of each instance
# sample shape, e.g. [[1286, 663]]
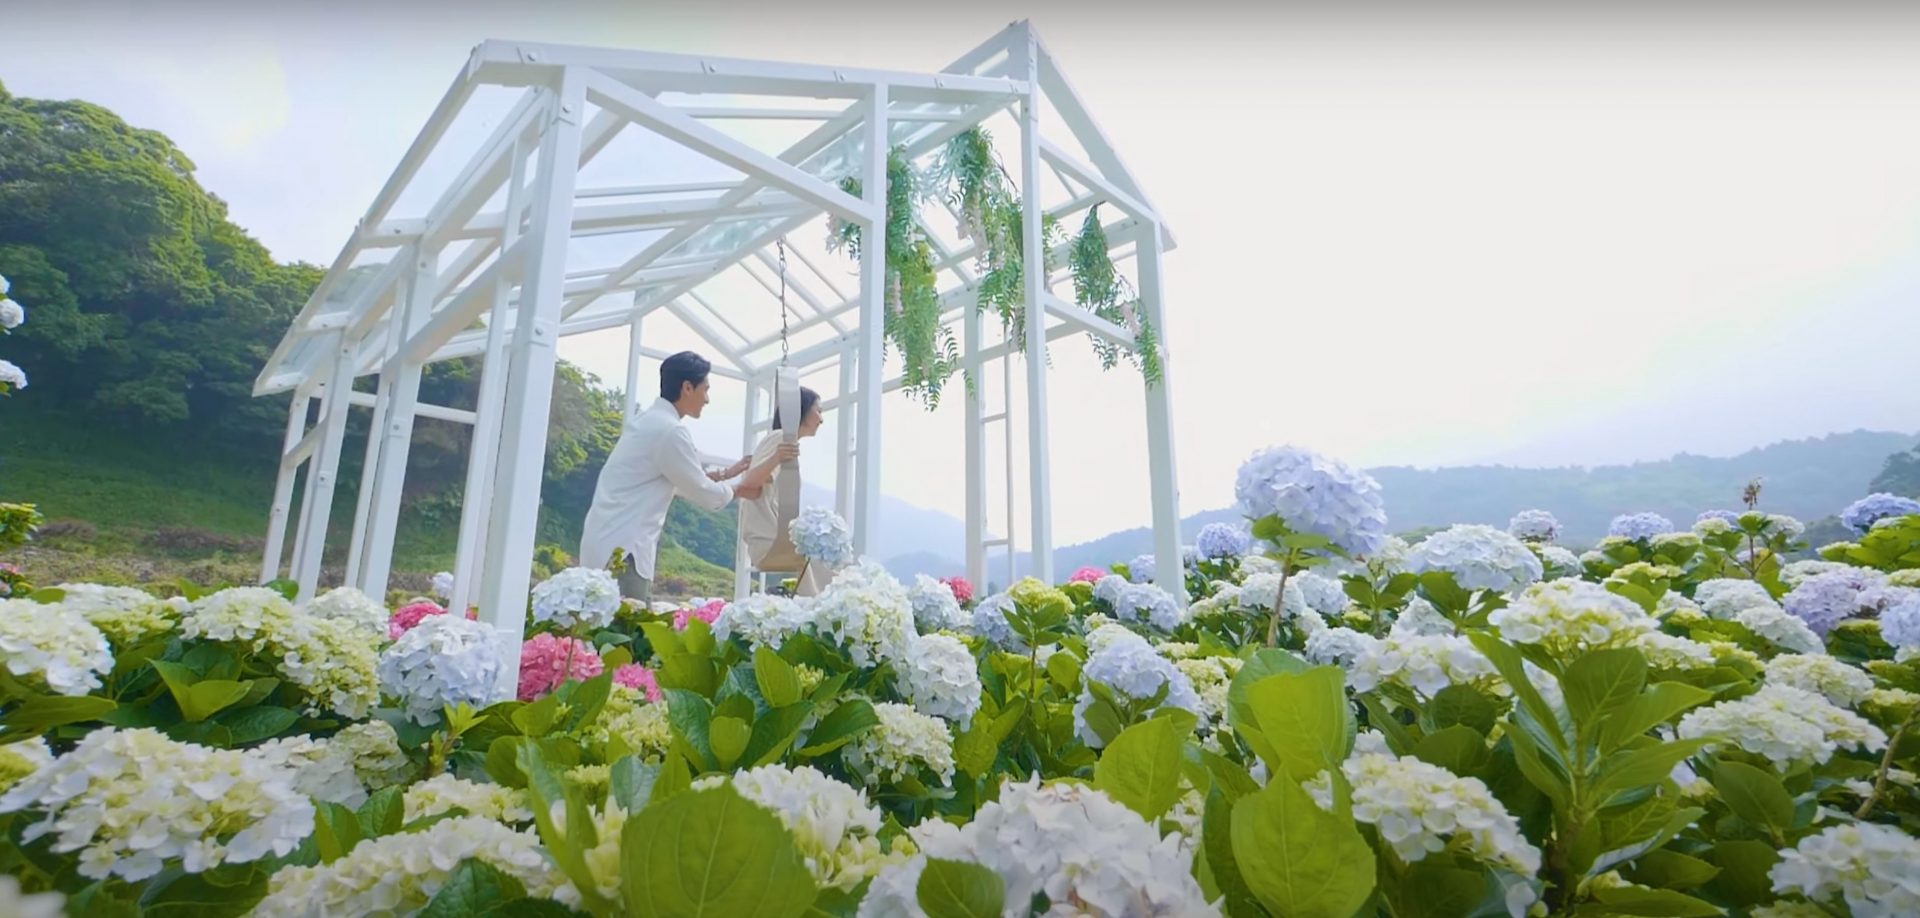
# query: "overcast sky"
[[1422, 234]]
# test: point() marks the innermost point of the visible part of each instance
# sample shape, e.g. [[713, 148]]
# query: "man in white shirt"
[[654, 461]]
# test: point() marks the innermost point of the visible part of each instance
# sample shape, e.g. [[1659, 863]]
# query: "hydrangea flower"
[[935, 606], [835, 828], [1774, 625], [1211, 677], [341, 768], [1321, 593], [1146, 604], [1140, 569], [332, 661], [1421, 809], [1128, 666], [1220, 541], [1559, 564], [20, 760], [1338, 646], [640, 679], [36, 905], [1666, 652], [1823, 600], [405, 618], [1478, 557], [399, 874], [1639, 527], [1570, 615], [131, 802], [990, 621], [577, 597], [11, 377], [643, 727], [445, 661], [705, 612], [866, 612], [1819, 673], [444, 792], [1863, 513], [1534, 526], [1797, 572], [547, 661], [762, 620], [54, 645], [939, 677], [125, 615], [1073, 843], [1723, 598], [11, 314], [349, 605], [1868, 868], [960, 587], [1421, 617], [442, 586], [1788, 726], [1421, 662], [820, 535], [1900, 621], [1314, 494], [903, 742], [1730, 517], [1088, 575]]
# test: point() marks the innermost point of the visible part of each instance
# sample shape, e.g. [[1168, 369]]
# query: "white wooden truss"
[[484, 261]]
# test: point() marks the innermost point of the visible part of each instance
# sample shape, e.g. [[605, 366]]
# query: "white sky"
[[1407, 234]]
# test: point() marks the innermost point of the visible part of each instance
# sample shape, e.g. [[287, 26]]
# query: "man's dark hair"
[[808, 399], [679, 370]]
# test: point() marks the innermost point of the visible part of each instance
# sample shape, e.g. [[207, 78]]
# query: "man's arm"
[[761, 474], [680, 463]]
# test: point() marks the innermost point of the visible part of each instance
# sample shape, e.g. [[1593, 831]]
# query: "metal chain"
[[781, 245]]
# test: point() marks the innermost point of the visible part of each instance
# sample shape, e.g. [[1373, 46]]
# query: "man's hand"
[[732, 471], [787, 450]]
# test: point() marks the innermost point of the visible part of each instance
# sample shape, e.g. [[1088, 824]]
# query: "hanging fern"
[[1099, 289], [911, 310]]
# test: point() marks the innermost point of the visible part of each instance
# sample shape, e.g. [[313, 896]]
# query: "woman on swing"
[[763, 521]]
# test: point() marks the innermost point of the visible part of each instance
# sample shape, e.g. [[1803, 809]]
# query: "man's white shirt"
[[654, 461]]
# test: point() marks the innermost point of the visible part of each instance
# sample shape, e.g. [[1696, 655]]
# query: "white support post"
[[1160, 464], [510, 530], [1040, 498], [873, 310], [476, 501], [742, 564], [843, 433], [322, 470], [283, 488], [632, 400], [402, 401], [370, 466], [976, 491]]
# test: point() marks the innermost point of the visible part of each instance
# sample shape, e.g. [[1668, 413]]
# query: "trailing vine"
[[992, 218]]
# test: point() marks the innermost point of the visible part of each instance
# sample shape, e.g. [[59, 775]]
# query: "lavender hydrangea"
[[1822, 601], [1323, 594], [1222, 540], [445, 660], [1146, 603], [1132, 669], [1900, 620], [1639, 527], [577, 596], [820, 535], [1534, 526], [1314, 494], [1728, 516], [1863, 513], [990, 620], [1478, 557], [1140, 569]]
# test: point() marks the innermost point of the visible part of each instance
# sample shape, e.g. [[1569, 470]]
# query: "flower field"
[[1681, 721]]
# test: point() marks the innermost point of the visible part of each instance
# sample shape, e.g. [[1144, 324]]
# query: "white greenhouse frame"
[[483, 273]]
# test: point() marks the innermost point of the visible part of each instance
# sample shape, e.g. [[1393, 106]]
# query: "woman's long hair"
[[808, 399]]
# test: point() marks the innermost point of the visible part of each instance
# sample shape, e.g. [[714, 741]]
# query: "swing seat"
[[781, 557]]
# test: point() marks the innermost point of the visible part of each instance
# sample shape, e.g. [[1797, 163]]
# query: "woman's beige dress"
[[760, 521]]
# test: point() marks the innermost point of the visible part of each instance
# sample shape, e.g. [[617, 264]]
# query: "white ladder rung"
[[988, 419]]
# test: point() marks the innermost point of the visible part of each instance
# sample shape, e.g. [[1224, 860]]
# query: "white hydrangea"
[[446, 660], [819, 534], [903, 742], [444, 792], [990, 621], [351, 606], [1664, 651], [762, 620], [246, 615], [399, 874], [1559, 563], [1797, 571], [939, 677], [1787, 725], [576, 597], [866, 612], [1479, 558], [1420, 809], [1874, 870], [1821, 674], [50, 643], [20, 760], [11, 376], [125, 615], [1424, 663], [442, 586], [1774, 625], [1321, 593], [1086, 853], [1147, 604], [1422, 617], [1211, 677], [1340, 646], [11, 313], [1566, 615], [1128, 665], [341, 768], [835, 828], [934, 606], [333, 662], [1900, 619], [133, 801], [637, 724], [1534, 526], [36, 905]]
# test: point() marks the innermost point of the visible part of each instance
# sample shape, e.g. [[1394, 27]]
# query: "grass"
[[126, 507]]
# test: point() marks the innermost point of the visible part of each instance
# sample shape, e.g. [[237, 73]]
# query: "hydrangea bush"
[[1330, 721]]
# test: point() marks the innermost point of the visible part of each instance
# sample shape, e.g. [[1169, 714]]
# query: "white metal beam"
[[1033, 253], [1086, 321], [422, 409], [1051, 81], [873, 296], [1161, 469]]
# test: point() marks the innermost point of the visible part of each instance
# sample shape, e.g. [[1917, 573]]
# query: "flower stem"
[[1886, 764], [1279, 602]]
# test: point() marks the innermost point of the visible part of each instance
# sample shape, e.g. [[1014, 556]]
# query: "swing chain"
[[781, 245]]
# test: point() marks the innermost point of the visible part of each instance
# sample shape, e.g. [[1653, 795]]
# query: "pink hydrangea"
[[706, 613], [1087, 575], [635, 676], [962, 590], [407, 617], [546, 661]]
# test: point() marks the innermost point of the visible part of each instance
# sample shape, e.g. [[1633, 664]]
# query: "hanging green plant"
[[992, 215], [1101, 290]]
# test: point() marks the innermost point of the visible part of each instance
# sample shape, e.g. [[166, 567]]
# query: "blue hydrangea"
[[1323, 594], [1110, 590], [1639, 527], [1129, 666], [820, 535], [1140, 569], [1863, 513], [990, 622], [1824, 600], [1534, 526], [1315, 494], [1147, 604], [1222, 540], [1900, 620], [1478, 557], [1730, 516]]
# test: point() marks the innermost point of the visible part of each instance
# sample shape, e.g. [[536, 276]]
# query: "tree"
[[1901, 474]]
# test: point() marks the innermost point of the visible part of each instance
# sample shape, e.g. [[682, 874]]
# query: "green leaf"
[[251, 725], [1433, 888], [1744, 865], [1754, 795], [1541, 769], [1658, 903], [1216, 838], [502, 762], [44, 712], [839, 727], [630, 783], [1462, 705], [225, 892], [1141, 767], [1458, 749], [774, 733], [711, 853], [335, 831], [536, 718], [1660, 703], [1602, 680], [473, 888], [198, 698], [779, 683], [383, 813], [1624, 771], [1671, 870], [959, 889], [728, 736], [1513, 669], [1299, 860], [1264, 663], [1306, 719], [689, 714]]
